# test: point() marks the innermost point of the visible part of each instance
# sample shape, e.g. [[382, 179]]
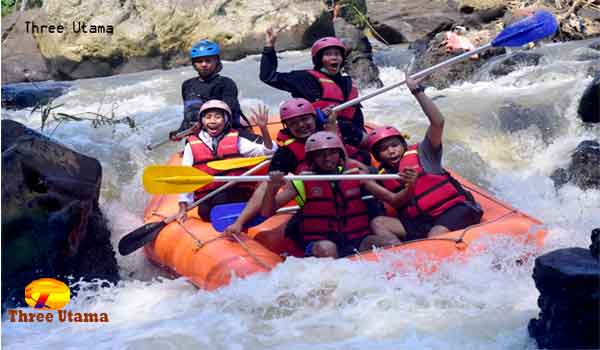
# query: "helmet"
[[295, 107], [322, 44], [323, 140], [204, 48], [381, 133], [215, 104]]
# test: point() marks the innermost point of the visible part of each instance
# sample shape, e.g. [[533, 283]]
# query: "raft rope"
[[243, 245]]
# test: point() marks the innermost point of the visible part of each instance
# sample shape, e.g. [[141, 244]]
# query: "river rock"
[[19, 96], [165, 30], [435, 52], [21, 58], [401, 21], [589, 106], [52, 225], [584, 168], [569, 284], [508, 64]]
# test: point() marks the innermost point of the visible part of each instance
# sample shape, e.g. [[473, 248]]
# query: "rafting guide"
[[51, 294]]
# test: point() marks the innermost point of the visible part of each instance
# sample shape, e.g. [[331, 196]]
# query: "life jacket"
[[392, 185], [331, 210], [332, 95], [297, 147], [226, 148], [432, 194]]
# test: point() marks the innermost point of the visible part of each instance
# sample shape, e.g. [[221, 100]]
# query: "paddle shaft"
[[417, 75], [152, 146], [244, 178], [219, 190]]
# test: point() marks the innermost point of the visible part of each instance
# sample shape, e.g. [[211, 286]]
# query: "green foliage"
[[8, 6]]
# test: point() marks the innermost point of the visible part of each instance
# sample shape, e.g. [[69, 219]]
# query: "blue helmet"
[[204, 48]]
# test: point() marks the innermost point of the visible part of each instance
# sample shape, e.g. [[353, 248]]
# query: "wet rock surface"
[[589, 105], [584, 168], [52, 225], [19, 96], [569, 284]]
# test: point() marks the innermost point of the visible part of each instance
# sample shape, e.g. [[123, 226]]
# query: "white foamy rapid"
[[484, 303]]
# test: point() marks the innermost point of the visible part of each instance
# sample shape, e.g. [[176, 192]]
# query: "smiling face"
[[389, 151], [302, 127], [205, 66], [326, 160], [332, 59], [213, 121]]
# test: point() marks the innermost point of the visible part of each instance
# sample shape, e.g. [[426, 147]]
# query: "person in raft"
[[299, 121], [333, 220], [324, 86], [217, 140], [428, 199], [208, 85]]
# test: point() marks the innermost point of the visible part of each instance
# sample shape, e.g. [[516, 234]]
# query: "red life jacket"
[[392, 185], [432, 194], [294, 145], [332, 95], [332, 211], [227, 148]]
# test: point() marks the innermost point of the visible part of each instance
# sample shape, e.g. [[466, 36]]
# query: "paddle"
[[166, 179], [146, 234], [223, 215], [183, 133], [235, 163], [536, 27]]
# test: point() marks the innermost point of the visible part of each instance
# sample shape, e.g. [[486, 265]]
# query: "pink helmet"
[[322, 44], [381, 133], [323, 140], [215, 104], [295, 107]]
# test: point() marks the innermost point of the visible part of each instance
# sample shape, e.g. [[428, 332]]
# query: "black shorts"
[[455, 218]]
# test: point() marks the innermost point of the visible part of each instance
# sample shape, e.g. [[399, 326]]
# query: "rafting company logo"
[[49, 294]]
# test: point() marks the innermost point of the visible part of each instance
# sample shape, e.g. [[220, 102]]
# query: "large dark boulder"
[[569, 284], [18, 96], [583, 170], [52, 225], [510, 63], [589, 106]]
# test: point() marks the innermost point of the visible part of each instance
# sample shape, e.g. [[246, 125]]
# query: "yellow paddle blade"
[[168, 179], [235, 163]]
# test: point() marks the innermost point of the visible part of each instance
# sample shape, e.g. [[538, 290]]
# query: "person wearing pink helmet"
[[333, 220], [217, 140], [323, 85], [298, 118], [429, 201]]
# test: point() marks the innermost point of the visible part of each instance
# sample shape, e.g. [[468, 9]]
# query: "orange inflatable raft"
[[198, 252]]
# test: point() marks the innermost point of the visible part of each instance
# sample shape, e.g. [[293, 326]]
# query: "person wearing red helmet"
[[428, 199], [298, 117], [323, 85], [333, 220], [217, 140]]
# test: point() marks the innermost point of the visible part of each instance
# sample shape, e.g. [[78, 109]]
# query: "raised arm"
[[436, 119]]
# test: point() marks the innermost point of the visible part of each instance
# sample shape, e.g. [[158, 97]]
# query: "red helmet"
[[215, 104], [322, 44], [381, 133], [295, 107], [323, 140]]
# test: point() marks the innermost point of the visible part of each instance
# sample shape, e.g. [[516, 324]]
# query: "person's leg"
[[387, 226], [324, 249], [457, 217]]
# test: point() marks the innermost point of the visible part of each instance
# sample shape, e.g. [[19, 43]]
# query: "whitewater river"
[[310, 304]]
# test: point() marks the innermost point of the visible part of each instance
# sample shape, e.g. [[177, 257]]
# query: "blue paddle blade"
[[223, 215], [541, 25]]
